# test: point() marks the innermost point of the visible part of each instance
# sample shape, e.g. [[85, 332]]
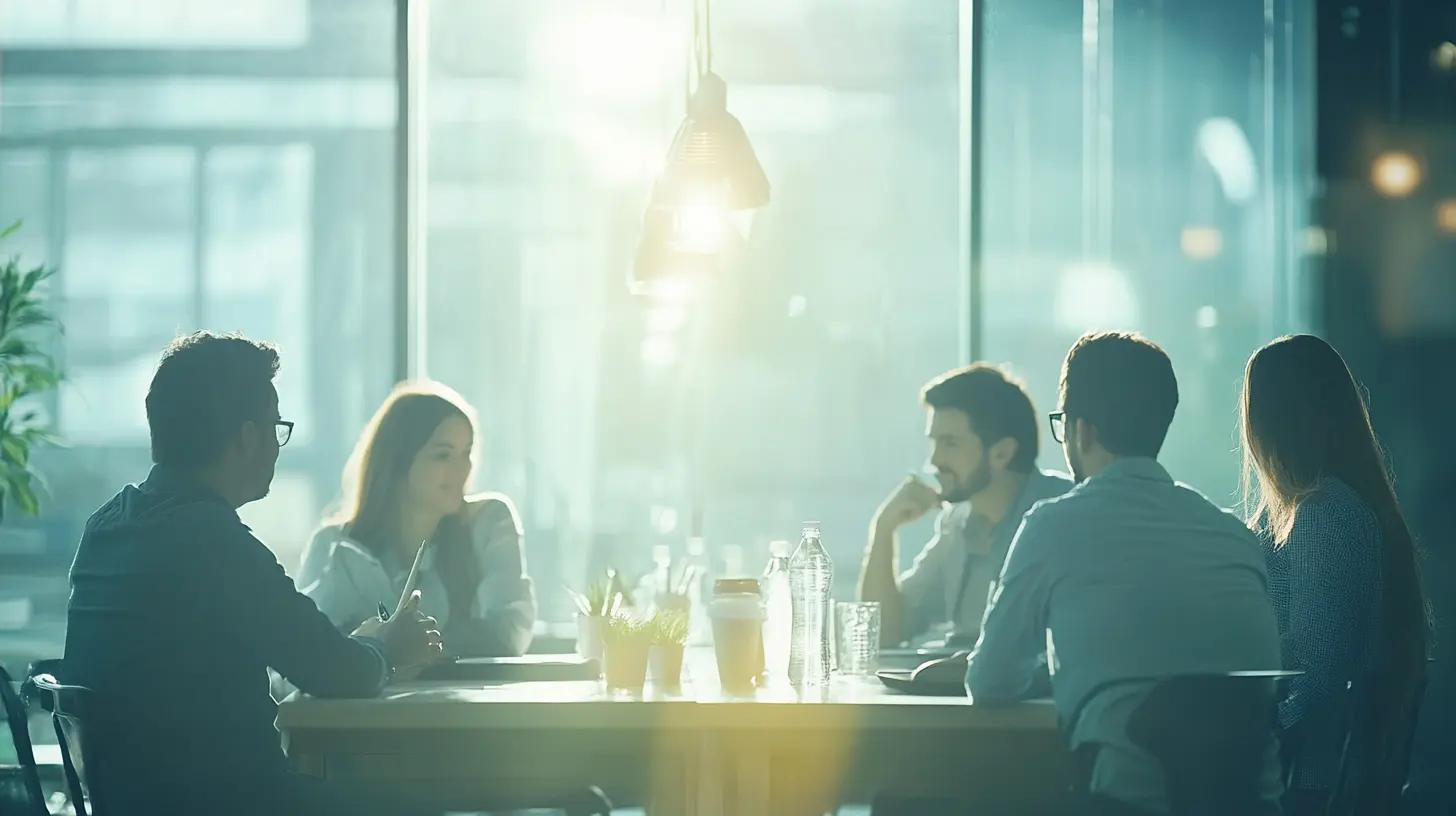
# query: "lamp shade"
[[661, 270], [702, 202], [711, 157]]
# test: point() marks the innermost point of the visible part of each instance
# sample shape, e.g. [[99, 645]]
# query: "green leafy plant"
[[26, 371], [670, 628], [628, 630]]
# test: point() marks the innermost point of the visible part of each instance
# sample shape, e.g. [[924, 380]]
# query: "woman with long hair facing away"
[[1342, 574], [404, 489]]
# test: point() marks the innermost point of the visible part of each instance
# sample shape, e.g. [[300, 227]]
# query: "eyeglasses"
[[283, 430], [1058, 421]]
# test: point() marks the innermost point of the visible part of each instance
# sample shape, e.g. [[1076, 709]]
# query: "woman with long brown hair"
[[404, 489], [1342, 572]]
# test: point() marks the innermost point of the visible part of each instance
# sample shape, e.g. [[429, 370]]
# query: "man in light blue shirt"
[[1127, 578], [984, 441]]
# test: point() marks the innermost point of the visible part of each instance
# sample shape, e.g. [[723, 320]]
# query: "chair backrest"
[[69, 710], [17, 716], [1212, 734], [1375, 787]]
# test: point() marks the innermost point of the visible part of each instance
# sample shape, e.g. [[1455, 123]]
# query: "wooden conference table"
[[482, 746]]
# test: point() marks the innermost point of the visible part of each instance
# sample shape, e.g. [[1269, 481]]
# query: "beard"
[[975, 482]]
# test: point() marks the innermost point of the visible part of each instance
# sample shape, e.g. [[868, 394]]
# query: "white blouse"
[[348, 582]]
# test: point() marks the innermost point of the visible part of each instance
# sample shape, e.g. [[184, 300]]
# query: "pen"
[[414, 577]]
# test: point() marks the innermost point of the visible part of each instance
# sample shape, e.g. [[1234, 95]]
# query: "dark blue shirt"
[[1325, 584], [176, 614]]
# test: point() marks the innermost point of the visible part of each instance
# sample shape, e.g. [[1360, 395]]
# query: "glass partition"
[[1147, 166], [196, 164]]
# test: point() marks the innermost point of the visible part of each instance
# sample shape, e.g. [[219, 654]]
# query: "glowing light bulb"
[[702, 227], [1201, 243], [1444, 57], [1395, 174], [1446, 215]]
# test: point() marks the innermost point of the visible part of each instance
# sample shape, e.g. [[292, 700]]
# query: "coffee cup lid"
[[735, 586]]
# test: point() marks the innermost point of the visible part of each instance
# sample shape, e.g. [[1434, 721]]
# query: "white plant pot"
[[589, 640]]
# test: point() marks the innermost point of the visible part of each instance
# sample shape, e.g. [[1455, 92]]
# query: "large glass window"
[[129, 286], [154, 23], [788, 394], [207, 164], [1146, 168]]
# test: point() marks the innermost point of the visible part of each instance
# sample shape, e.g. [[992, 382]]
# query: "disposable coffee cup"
[[737, 615]]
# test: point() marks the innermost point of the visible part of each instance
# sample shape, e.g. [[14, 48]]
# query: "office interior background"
[[1200, 172]]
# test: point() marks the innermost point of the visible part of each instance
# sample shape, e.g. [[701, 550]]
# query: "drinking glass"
[[858, 627]]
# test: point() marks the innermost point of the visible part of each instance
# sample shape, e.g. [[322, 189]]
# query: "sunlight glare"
[[666, 319], [659, 351], [610, 57]]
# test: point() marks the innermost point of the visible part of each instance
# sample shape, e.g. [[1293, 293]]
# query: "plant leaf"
[[25, 498]]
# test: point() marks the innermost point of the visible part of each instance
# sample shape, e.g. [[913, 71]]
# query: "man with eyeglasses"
[[177, 611], [1127, 578]]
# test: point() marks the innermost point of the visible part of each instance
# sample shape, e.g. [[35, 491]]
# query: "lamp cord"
[[703, 36]]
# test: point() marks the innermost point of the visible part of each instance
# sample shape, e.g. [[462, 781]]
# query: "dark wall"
[[1385, 300]]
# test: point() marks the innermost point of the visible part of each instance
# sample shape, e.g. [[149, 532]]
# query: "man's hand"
[[412, 639], [911, 501], [369, 628]]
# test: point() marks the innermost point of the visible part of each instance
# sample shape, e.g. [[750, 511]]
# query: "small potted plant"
[[669, 635], [602, 600], [627, 641], [27, 372]]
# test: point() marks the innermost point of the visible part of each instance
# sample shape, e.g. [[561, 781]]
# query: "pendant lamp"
[[711, 184]]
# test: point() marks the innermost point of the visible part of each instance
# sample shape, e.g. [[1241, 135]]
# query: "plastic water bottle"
[[811, 576], [700, 629], [778, 621]]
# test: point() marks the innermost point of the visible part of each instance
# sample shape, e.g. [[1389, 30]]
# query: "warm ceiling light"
[[711, 158], [1444, 57], [711, 181], [662, 271], [1201, 243], [1446, 215], [1395, 174]]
